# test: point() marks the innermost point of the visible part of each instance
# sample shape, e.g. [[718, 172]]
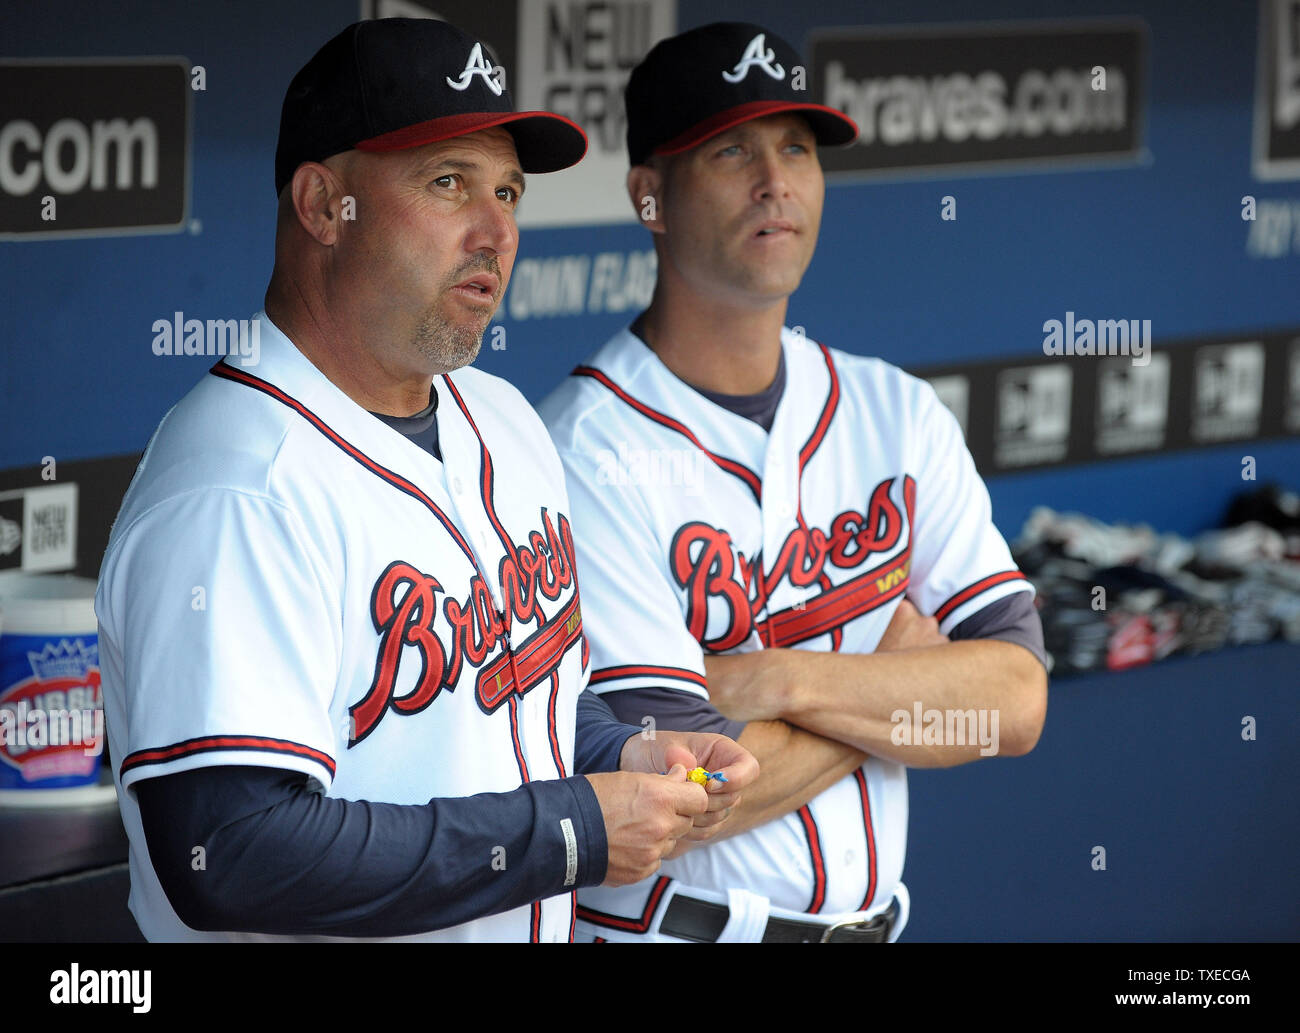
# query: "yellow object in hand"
[[699, 775]]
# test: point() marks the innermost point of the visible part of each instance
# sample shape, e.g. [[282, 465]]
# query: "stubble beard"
[[447, 346]]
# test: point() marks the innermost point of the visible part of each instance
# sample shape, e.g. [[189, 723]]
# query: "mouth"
[[482, 287], [775, 228]]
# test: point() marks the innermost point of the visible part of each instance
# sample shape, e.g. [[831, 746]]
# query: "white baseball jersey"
[[291, 583], [698, 532]]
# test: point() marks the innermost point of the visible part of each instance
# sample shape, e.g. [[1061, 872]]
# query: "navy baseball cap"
[[393, 83], [701, 83]]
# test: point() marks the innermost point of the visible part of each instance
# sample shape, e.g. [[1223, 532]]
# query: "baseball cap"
[[701, 83], [393, 83]]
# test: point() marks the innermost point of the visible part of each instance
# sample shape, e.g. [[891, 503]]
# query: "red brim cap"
[[831, 127], [704, 81], [395, 83], [545, 142]]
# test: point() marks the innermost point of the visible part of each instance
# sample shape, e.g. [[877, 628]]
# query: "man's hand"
[[645, 815], [715, 753], [908, 629]]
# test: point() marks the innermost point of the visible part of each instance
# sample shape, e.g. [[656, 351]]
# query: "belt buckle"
[[830, 929], [882, 920]]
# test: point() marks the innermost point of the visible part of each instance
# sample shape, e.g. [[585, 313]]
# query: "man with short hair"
[[343, 657], [777, 540]]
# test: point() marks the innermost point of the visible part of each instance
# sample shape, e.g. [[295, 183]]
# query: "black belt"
[[703, 921]]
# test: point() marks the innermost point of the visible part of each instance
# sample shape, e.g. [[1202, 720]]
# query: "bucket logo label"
[[52, 723]]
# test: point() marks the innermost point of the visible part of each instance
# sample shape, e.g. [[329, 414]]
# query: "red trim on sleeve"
[[646, 671], [971, 591], [213, 743]]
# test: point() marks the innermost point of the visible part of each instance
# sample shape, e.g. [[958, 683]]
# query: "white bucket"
[[51, 707]]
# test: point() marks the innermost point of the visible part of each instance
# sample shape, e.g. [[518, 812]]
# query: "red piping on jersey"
[[631, 925], [829, 611], [396, 480], [534, 935], [971, 591], [550, 726], [818, 862], [573, 913], [751, 479], [871, 840], [646, 671], [210, 743], [819, 432], [485, 485], [485, 491], [514, 737]]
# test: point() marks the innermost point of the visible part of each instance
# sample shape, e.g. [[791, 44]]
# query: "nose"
[[493, 228], [770, 180]]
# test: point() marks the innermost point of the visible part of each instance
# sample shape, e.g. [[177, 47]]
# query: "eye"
[[508, 194], [446, 181], [729, 151]]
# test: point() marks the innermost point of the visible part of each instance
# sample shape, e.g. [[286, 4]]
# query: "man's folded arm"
[[796, 765]]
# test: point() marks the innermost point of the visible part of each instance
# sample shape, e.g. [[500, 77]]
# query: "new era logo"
[[757, 54], [477, 65]]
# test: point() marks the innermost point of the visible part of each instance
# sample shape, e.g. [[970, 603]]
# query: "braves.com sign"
[[982, 94], [90, 147]]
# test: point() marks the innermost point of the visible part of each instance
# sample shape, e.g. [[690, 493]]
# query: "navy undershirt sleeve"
[[672, 710], [1013, 618], [280, 858], [600, 735]]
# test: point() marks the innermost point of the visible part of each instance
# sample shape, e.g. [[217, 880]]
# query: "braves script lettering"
[[705, 563], [404, 608]]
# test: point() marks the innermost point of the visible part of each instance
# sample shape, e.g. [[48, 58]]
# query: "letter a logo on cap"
[[757, 53], [477, 65]]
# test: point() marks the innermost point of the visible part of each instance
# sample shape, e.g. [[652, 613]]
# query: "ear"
[[317, 195], [645, 188]]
